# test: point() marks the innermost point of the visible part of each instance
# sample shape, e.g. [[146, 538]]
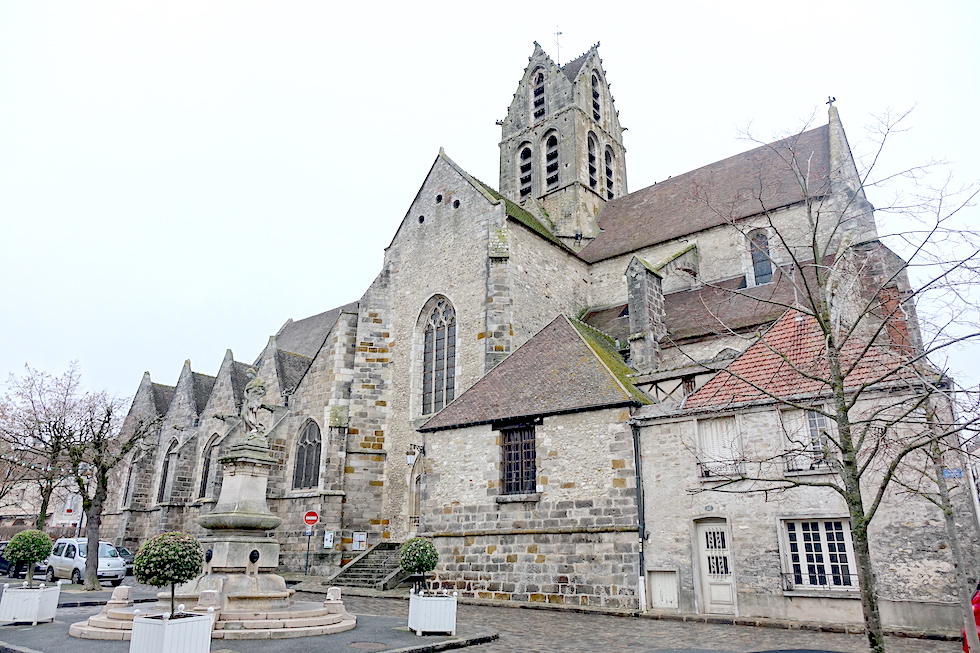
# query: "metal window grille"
[[439, 358], [307, 471], [520, 460]]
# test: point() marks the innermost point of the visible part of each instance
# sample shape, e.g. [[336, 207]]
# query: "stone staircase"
[[377, 568]]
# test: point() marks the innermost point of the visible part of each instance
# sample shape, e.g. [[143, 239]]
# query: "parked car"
[[129, 557], [20, 571], [67, 560]]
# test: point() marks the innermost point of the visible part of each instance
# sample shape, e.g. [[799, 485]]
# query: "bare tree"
[[103, 440], [63, 437], [37, 420], [851, 360]]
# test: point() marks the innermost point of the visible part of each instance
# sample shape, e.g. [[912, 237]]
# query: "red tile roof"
[[789, 361]]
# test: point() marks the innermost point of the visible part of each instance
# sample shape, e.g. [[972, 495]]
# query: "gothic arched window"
[[306, 474], [595, 97], [524, 166], [761, 262], [537, 93], [169, 464], [593, 177], [551, 161], [439, 358], [610, 162], [209, 463]]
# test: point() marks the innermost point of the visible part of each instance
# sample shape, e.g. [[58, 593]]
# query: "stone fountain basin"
[[238, 521]]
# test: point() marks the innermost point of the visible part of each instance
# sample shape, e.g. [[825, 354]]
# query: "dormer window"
[[551, 162], [524, 167], [537, 93]]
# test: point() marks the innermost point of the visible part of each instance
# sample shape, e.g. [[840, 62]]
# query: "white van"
[[67, 560]]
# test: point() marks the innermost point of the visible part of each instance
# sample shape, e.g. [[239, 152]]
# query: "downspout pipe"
[[641, 517]]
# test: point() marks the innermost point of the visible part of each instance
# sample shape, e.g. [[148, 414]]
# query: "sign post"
[[310, 518]]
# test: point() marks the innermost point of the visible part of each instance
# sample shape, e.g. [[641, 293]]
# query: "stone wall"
[[909, 546], [574, 541]]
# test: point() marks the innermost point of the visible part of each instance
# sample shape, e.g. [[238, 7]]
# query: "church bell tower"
[[561, 146]]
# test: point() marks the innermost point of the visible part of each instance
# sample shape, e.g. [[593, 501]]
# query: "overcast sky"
[[179, 178]]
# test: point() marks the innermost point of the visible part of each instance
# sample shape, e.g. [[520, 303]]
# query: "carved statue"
[[255, 390]]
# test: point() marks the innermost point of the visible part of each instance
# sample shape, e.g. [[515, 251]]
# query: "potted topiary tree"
[[28, 603], [170, 559], [426, 612]]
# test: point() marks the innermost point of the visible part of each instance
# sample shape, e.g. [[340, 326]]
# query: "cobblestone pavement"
[[545, 631]]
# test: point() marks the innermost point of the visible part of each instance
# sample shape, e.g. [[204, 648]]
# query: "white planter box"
[[186, 635], [21, 604], [432, 613]]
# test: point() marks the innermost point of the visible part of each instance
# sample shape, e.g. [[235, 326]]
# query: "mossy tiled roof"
[[520, 214], [566, 367]]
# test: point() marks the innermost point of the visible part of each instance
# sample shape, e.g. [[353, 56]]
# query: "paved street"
[[543, 631]]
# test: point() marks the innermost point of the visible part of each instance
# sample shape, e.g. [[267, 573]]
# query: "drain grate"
[[368, 646]]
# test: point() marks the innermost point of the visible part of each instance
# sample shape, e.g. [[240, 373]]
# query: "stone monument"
[[241, 557]]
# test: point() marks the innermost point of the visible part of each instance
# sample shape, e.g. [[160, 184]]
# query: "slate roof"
[[565, 367], [162, 395], [784, 362], [306, 336], [203, 385], [291, 368], [720, 308], [726, 190], [239, 379], [572, 67]]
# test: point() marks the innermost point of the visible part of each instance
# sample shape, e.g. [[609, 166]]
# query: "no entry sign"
[[311, 517]]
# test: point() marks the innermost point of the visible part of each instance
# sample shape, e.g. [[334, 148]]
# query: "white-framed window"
[[818, 554], [719, 448], [807, 441]]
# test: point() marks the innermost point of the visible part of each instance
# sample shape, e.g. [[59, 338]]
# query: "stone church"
[[548, 379]]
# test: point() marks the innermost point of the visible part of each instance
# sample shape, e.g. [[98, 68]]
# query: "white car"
[[67, 560]]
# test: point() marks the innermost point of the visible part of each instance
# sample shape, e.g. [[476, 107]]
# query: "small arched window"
[[595, 97], [209, 464], [537, 93], [551, 161], [593, 177], [306, 474], [761, 261], [524, 167], [439, 358], [610, 163], [169, 464]]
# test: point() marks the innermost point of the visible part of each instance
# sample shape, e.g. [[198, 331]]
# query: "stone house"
[[549, 355]]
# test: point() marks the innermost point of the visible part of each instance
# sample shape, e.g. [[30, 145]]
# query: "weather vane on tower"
[[557, 45]]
